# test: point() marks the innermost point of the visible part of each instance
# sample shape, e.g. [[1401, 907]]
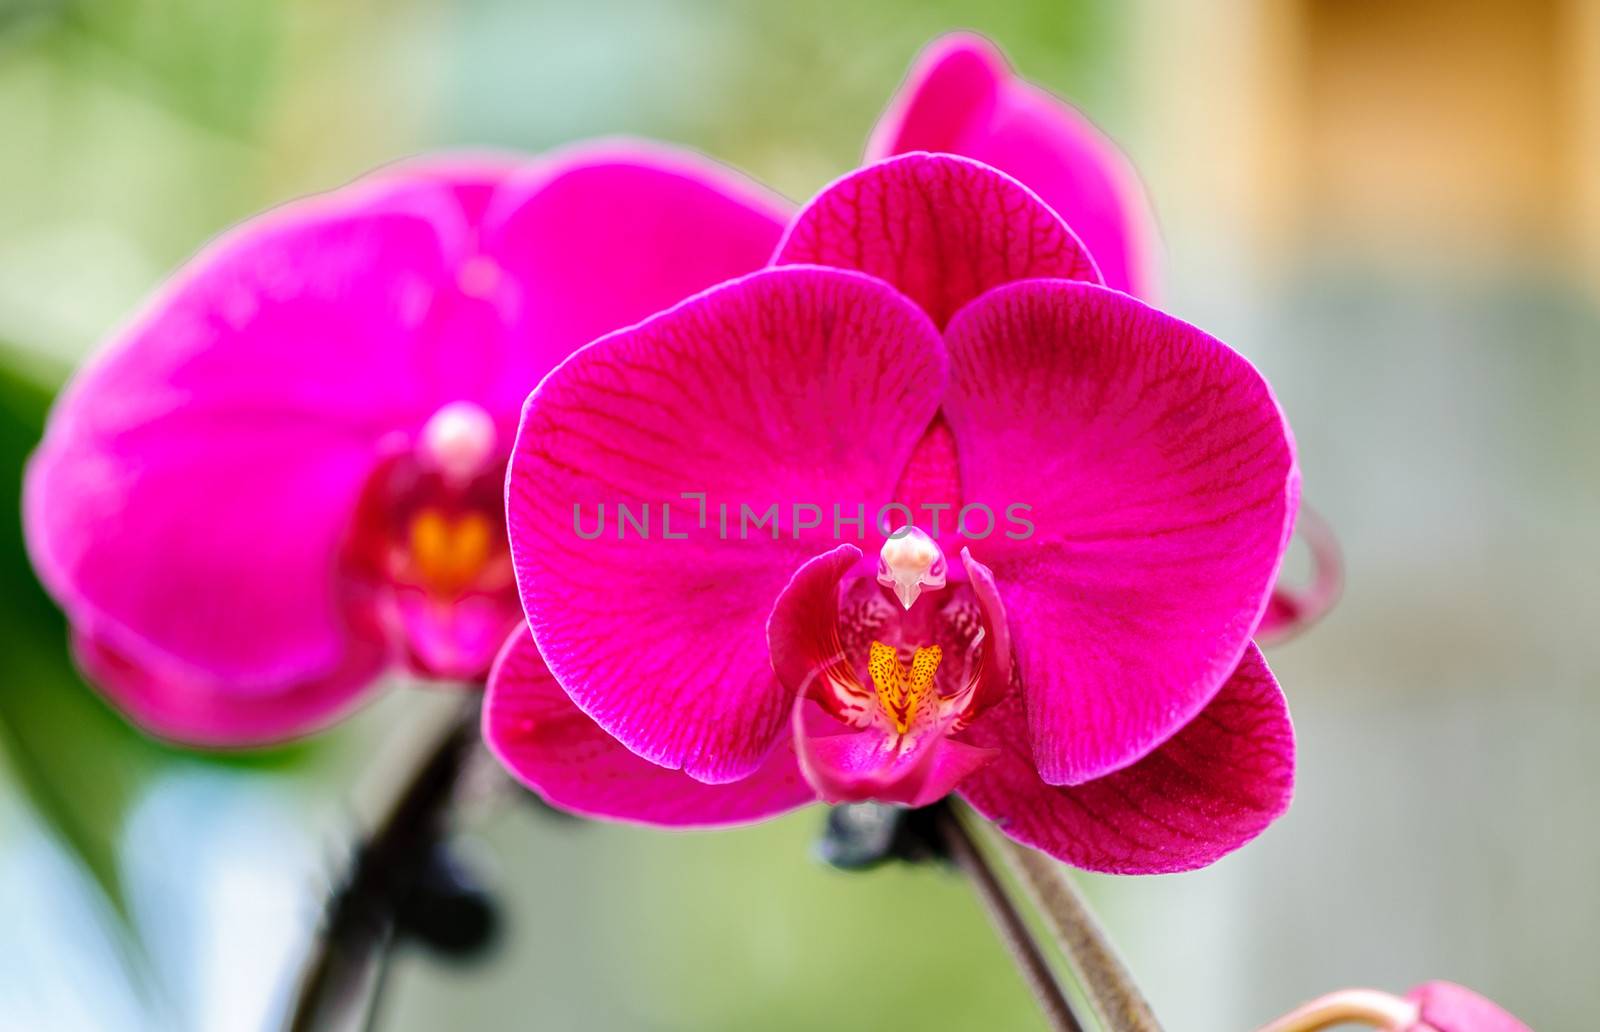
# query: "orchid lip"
[[427, 547], [903, 690]]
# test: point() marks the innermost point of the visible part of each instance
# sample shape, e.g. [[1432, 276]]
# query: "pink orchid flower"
[[962, 97], [286, 475], [1431, 1007], [932, 335]]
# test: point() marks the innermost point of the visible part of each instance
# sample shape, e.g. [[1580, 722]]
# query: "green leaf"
[[77, 763]]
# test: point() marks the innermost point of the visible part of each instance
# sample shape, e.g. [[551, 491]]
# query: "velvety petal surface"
[[1208, 790], [195, 480], [941, 229], [193, 708], [1447, 1007], [794, 385], [1163, 484], [537, 733], [962, 97]]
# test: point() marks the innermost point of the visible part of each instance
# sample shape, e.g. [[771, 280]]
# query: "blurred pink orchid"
[[1431, 1007], [931, 334], [286, 475]]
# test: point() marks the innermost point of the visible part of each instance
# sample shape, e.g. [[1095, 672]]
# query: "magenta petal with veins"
[[534, 729], [961, 97], [1163, 482], [938, 228], [1206, 791]]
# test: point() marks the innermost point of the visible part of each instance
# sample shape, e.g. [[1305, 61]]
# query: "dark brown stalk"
[[339, 984]]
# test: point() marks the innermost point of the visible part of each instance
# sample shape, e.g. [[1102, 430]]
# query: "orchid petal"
[[1293, 609], [195, 480], [1447, 1007], [603, 235], [191, 707], [1208, 790], [794, 386], [849, 766], [803, 634], [1162, 484], [930, 485], [940, 229], [548, 744], [962, 97], [996, 675], [472, 178]]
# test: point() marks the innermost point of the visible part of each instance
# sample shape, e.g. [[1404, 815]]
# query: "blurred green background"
[[1406, 251]]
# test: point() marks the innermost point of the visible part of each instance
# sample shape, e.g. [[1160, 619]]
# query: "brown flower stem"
[[342, 977], [1008, 923], [1105, 980], [1348, 1007]]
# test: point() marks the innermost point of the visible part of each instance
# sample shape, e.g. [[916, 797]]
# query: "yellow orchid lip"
[[448, 552], [426, 549], [902, 691]]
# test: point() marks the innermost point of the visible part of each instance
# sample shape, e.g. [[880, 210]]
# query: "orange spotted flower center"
[[447, 553], [902, 691], [427, 555]]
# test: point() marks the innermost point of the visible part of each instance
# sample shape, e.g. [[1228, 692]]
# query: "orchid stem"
[[1116, 1000], [342, 977], [1008, 923]]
